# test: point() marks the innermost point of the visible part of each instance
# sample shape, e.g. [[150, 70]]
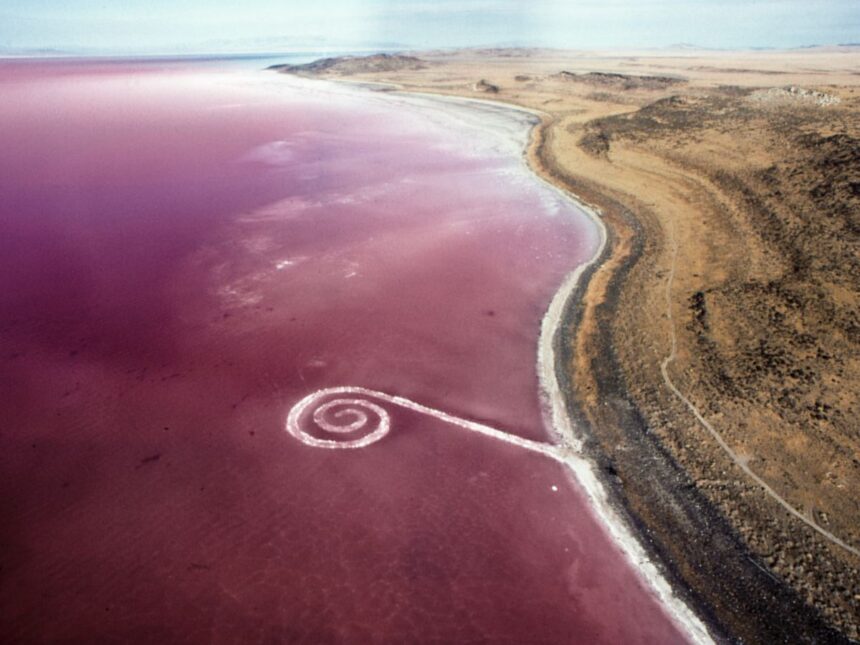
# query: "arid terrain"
[[714, 354]]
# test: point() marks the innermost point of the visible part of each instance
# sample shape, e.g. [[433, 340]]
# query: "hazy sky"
[[206, 24]]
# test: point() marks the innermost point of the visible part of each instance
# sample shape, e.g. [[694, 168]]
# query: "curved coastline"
[[702, 552], [552, 373], [682, 545], [629, 535], [586, 471], [696, 548]]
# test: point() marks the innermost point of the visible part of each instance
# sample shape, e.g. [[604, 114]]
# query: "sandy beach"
[[710, 359]]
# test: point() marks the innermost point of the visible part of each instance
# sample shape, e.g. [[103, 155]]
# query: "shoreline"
[[674, 559], [734, 578], [584, 468], [697, 541], [630, 537]]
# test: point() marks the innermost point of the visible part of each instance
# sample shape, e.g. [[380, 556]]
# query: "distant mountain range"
[[323, 47], [277, 45]]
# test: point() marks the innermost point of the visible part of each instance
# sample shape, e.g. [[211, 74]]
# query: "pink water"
[[183, 256]]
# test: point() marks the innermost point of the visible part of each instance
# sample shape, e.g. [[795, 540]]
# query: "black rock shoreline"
[[702, 556]]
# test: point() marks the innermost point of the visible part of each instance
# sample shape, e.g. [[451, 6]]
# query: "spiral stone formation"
[[352, 417], [353, 422]]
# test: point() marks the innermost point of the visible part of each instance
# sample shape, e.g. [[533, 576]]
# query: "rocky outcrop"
[[485, 86], [793, 94], [346, 65], [621, 81]]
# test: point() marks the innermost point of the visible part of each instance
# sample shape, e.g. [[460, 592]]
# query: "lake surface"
[[184, 255]]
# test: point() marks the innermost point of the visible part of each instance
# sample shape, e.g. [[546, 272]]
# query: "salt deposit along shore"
[[549, 365]]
